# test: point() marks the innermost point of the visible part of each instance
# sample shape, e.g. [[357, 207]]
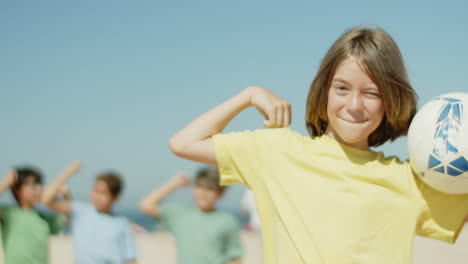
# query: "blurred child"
[[25, 230], [249, 209], [203, 235], [99, 236]]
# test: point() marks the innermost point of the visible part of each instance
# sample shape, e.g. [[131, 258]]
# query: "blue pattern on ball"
[[448, 128]]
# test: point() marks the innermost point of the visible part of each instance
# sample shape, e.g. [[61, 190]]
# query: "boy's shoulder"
[[171, 208], [279, 135], [9, 209], [78, 205], [225, 217]]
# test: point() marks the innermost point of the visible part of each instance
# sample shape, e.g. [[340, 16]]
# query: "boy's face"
[[101, 197], [355, 107], [206, 196], [30, 192]]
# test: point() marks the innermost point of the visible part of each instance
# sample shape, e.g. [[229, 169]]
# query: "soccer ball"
[[438, 143]]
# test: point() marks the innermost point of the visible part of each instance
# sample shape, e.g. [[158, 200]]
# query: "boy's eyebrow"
[[340, 80], [369, 87], [372, 88]]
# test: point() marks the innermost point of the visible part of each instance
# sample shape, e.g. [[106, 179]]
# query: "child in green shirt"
[[203, 235], [26, 231]]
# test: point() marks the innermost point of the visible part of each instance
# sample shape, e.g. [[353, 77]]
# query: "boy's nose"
[[354, 102]]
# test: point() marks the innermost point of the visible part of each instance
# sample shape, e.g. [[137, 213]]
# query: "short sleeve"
[[128, 243], [170, 213], [56, 223], [241, 155], [234, 248], [443, 214], [4, 211]]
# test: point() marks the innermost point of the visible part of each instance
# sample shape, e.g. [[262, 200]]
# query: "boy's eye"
[[341, 89], [373, 95]]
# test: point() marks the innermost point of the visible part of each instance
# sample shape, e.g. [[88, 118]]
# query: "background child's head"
[[27, 189], [207, 189], [106, 190], [379, 57]]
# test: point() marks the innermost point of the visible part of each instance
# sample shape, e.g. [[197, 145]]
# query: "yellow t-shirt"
[[323, 202]]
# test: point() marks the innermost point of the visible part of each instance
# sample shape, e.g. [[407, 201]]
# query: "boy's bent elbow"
[[177, 146], [149, 210], [143, 207]]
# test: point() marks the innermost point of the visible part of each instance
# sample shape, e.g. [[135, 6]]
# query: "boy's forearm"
[[53, 188], [208, 124], [4, 186], [155, 197]]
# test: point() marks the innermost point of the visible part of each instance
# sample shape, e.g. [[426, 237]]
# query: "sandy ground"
[[159, 248]]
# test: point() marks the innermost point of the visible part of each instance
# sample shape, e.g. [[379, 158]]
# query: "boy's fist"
[[181, 179], [10, 178]]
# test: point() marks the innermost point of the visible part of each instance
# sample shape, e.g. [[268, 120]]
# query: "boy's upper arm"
[[443, 216], [168, 211], [2, 209], [56, 222], [152, 211]]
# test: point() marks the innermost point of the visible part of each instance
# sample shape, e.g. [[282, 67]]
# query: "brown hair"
[[113, 181], [209, 177], [380, 57], [23, 174]]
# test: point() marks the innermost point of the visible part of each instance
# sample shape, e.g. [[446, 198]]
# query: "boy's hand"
[[74, 167], [180, 180], [275, 109], [10, 178]]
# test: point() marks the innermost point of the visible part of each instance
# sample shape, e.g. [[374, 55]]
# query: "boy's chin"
[[205, 207]]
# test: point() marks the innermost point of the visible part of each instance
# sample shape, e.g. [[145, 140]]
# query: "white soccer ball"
[[438, 143]]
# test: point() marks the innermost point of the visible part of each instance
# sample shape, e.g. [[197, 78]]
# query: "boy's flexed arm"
[[10, 179], [194, 141], [51, 190], [151, 203]]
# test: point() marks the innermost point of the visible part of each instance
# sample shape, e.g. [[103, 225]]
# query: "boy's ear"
[[116, 198], [221, 194]]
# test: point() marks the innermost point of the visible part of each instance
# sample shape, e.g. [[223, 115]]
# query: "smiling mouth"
[[354, 121]]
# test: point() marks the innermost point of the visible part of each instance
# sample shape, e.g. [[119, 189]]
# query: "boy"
[[98, 235], [202, 235], [25, 230]]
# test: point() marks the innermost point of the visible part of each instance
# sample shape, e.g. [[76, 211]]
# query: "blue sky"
[[108, 82]]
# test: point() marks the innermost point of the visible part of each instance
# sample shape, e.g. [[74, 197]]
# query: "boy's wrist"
[[245, 96]]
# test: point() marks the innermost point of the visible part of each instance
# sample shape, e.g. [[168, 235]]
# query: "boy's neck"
[[26, 205], [207, 210], [106, 211]]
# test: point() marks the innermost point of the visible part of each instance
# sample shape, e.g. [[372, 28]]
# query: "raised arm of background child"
[[10, 178], [51, 190], [194, 141], [151, 203]]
